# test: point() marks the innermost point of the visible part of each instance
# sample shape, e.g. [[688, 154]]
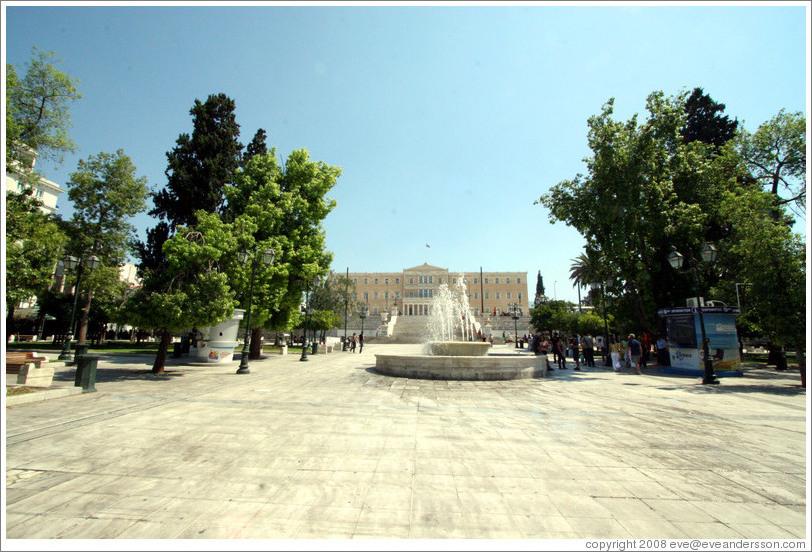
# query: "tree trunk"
[[10, 325], [160, 358], [800, 354], [81, 331], [255, 351]]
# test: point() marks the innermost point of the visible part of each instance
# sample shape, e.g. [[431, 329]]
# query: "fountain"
[[452, 352]]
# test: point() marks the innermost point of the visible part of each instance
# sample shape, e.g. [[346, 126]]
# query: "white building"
[[45, 190]]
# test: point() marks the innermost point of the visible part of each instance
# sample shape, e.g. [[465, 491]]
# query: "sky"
[[448, 120]]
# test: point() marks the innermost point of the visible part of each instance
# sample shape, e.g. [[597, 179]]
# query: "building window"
[[453, 281], [498, 295], [476, 280], [366, 295], [439, 279], [397, 295], [420, 279], [519, 295], [476, 295], [366, 281], [507, 279], [431, 293], [375, 295], [487, 295], [397, 280], [411, 294], [476, 312], [411, 280], [508, 295], [431, 279], [386, 295], [375, 310], [486, 280], [355, 281], [386, 281], [496, 280], [518, 280], [376, 280]]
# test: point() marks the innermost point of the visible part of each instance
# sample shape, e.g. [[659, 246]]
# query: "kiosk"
[[684, 337]]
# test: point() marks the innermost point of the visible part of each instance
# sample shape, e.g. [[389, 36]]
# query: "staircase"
[[412, 329]]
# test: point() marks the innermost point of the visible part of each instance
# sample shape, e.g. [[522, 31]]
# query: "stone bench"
[[29, 369]]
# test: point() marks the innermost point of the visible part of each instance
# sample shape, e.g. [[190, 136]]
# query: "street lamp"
[[268, 257], [675, 259], [70, 262], [605, 348], [346, 307], [307, 311], [363, 314], [515, 309]]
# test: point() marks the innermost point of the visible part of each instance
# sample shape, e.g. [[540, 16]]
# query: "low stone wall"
[[489, 367]]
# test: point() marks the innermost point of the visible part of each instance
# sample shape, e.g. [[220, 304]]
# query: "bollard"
[[86, 372], [80, 350]]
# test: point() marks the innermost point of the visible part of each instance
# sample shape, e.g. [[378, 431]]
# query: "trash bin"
[[86, 372], [315, 347], [177, 349], [79, 351]]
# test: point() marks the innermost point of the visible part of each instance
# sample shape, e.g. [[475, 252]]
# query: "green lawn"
[[118, 347]]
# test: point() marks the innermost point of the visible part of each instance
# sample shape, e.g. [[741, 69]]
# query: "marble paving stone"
[[598, 528], [703, 530]]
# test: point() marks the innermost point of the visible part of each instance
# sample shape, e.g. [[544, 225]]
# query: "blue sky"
[[447, 120]]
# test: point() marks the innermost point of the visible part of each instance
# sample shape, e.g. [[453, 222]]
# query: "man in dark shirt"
[[635, 352]]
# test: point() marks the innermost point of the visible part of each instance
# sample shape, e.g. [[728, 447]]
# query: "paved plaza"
[[328, 449]]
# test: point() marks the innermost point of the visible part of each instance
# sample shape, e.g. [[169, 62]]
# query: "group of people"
[[633, 352], [357, 341]]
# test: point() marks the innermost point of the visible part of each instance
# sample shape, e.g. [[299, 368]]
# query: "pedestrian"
[[554, 343], [645, 341], [589, 350], [576, 354], [353, 343], [614, 352], [662, 351], [635, 352], [562, 353], [361, 343], [546, 349]]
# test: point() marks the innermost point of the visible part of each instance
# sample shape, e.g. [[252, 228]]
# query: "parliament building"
[[411, 292]]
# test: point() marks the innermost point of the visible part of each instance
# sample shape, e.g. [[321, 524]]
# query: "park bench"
[[22, 337], [29, 369]]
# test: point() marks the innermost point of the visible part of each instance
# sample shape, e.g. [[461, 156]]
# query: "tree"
[[33, 245], [257, 146], [285, 208], [38, 111], [704, 121], [106, 193], [767, 256], [647, 192], [201, 165], [540, 297], [776, 157], [193, 289]]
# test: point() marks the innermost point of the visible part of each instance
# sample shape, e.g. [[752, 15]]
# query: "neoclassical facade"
[[411, 292]]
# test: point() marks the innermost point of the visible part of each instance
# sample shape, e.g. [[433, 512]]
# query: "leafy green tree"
[[775, 155], [193, 289], [286, 208], [106, 194], [554, 316], [705, 122], [257, 146], [648, 192], [767, 256], [38, 111], [33, 244], [590, 323]]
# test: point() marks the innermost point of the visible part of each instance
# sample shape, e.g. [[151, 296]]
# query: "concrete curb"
[[42, 395]]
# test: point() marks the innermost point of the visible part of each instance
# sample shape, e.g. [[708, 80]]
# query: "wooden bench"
[[29, 368], [21, 337]]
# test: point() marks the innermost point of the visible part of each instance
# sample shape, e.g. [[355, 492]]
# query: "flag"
[[427, 245]]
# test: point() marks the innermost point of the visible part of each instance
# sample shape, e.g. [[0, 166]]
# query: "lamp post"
[[268, 257], [70, 262], [515, 313], [605, 348], [346, 308], [675, 259], [307, 311], [363, 314]]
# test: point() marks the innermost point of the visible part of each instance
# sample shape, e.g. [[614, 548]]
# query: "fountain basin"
[[461, 367], [458, 348]]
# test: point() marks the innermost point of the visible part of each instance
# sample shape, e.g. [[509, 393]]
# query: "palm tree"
[[585, 269]]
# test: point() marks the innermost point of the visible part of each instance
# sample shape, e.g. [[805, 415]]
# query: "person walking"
[[562, 353], [589, 350], [635, 353], [353, 343], [614, 352], [361, 343], [576, 354]]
